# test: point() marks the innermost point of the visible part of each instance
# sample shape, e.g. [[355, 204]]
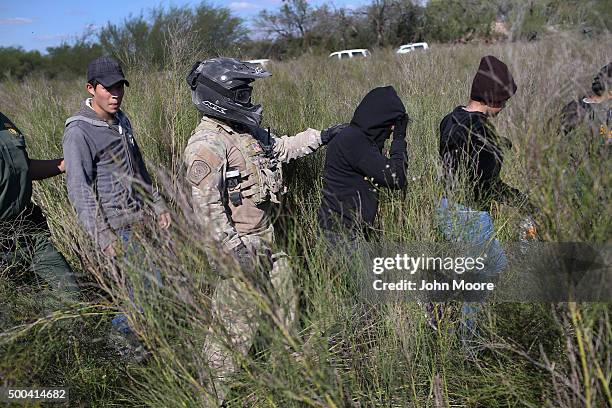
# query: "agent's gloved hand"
[[399, 127], [328, 134], [246, 260]]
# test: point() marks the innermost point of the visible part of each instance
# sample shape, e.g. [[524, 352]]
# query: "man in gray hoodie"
[[108, 183]]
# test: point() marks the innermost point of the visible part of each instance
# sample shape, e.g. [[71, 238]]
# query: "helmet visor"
[[243, 95]]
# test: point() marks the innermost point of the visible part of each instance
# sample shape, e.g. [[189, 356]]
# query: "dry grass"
[[351, 354]]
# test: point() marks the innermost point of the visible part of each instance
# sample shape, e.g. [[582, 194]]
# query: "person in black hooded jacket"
[[355, 166]]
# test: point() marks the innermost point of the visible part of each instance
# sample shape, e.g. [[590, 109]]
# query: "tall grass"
[[346, 353]]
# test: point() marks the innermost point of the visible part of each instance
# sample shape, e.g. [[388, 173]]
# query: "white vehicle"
[[262, 62], [348, 54], [406, 48]]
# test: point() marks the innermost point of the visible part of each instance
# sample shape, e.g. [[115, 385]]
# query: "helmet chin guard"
[[220, 86]]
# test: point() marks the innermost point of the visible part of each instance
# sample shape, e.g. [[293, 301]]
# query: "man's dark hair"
[[93, 83]]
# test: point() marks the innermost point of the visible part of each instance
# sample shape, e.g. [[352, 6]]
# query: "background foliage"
[[297, 27]]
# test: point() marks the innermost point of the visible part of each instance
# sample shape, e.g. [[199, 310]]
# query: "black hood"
[[378, 110]]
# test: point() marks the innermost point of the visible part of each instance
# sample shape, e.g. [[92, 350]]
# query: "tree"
[[379, 14], [68, 59], [335, 29], [17, 63], [395, 22], [294, 21], [529, 19], [217, 29], [204, 29], [409, 23], [452, 20]]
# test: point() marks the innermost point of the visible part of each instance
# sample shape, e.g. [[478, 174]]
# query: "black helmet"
[[220, 88], [603, 80]]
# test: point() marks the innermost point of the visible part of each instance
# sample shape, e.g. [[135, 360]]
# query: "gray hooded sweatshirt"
[[108, 184]]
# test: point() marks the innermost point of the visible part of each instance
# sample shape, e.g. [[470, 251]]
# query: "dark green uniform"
[[24, 235]]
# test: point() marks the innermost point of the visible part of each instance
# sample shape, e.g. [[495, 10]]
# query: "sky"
[[38, 24]]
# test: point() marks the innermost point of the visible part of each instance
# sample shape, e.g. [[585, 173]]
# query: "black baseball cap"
[[105, 71]]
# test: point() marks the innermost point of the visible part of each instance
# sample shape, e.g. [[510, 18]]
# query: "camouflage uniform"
[[597, 116], [240, 213]]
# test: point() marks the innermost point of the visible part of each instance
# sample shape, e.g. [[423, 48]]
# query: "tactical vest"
[[262, 178]]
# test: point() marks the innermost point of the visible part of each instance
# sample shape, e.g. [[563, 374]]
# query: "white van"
[[406, 48], [348, 54]]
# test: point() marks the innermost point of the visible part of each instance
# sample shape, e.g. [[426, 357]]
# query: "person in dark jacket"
[[355, 166], [472, 152]]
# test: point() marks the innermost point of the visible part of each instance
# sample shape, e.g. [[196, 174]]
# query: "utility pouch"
[[233, 179]]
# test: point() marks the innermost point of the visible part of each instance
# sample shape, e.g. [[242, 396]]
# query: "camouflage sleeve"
[[206, 162], [573, 114], [287, 148]]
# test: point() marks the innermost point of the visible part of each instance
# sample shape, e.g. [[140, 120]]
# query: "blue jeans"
[[132, 250], [464, 225], [474, 228]]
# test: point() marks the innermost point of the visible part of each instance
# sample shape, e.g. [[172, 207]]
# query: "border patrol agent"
[[595, 111], [235, 170], [24, 233]]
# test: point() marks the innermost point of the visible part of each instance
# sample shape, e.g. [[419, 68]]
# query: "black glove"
[[328, 134], [400, 125], [251, 262], [246, 260]]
